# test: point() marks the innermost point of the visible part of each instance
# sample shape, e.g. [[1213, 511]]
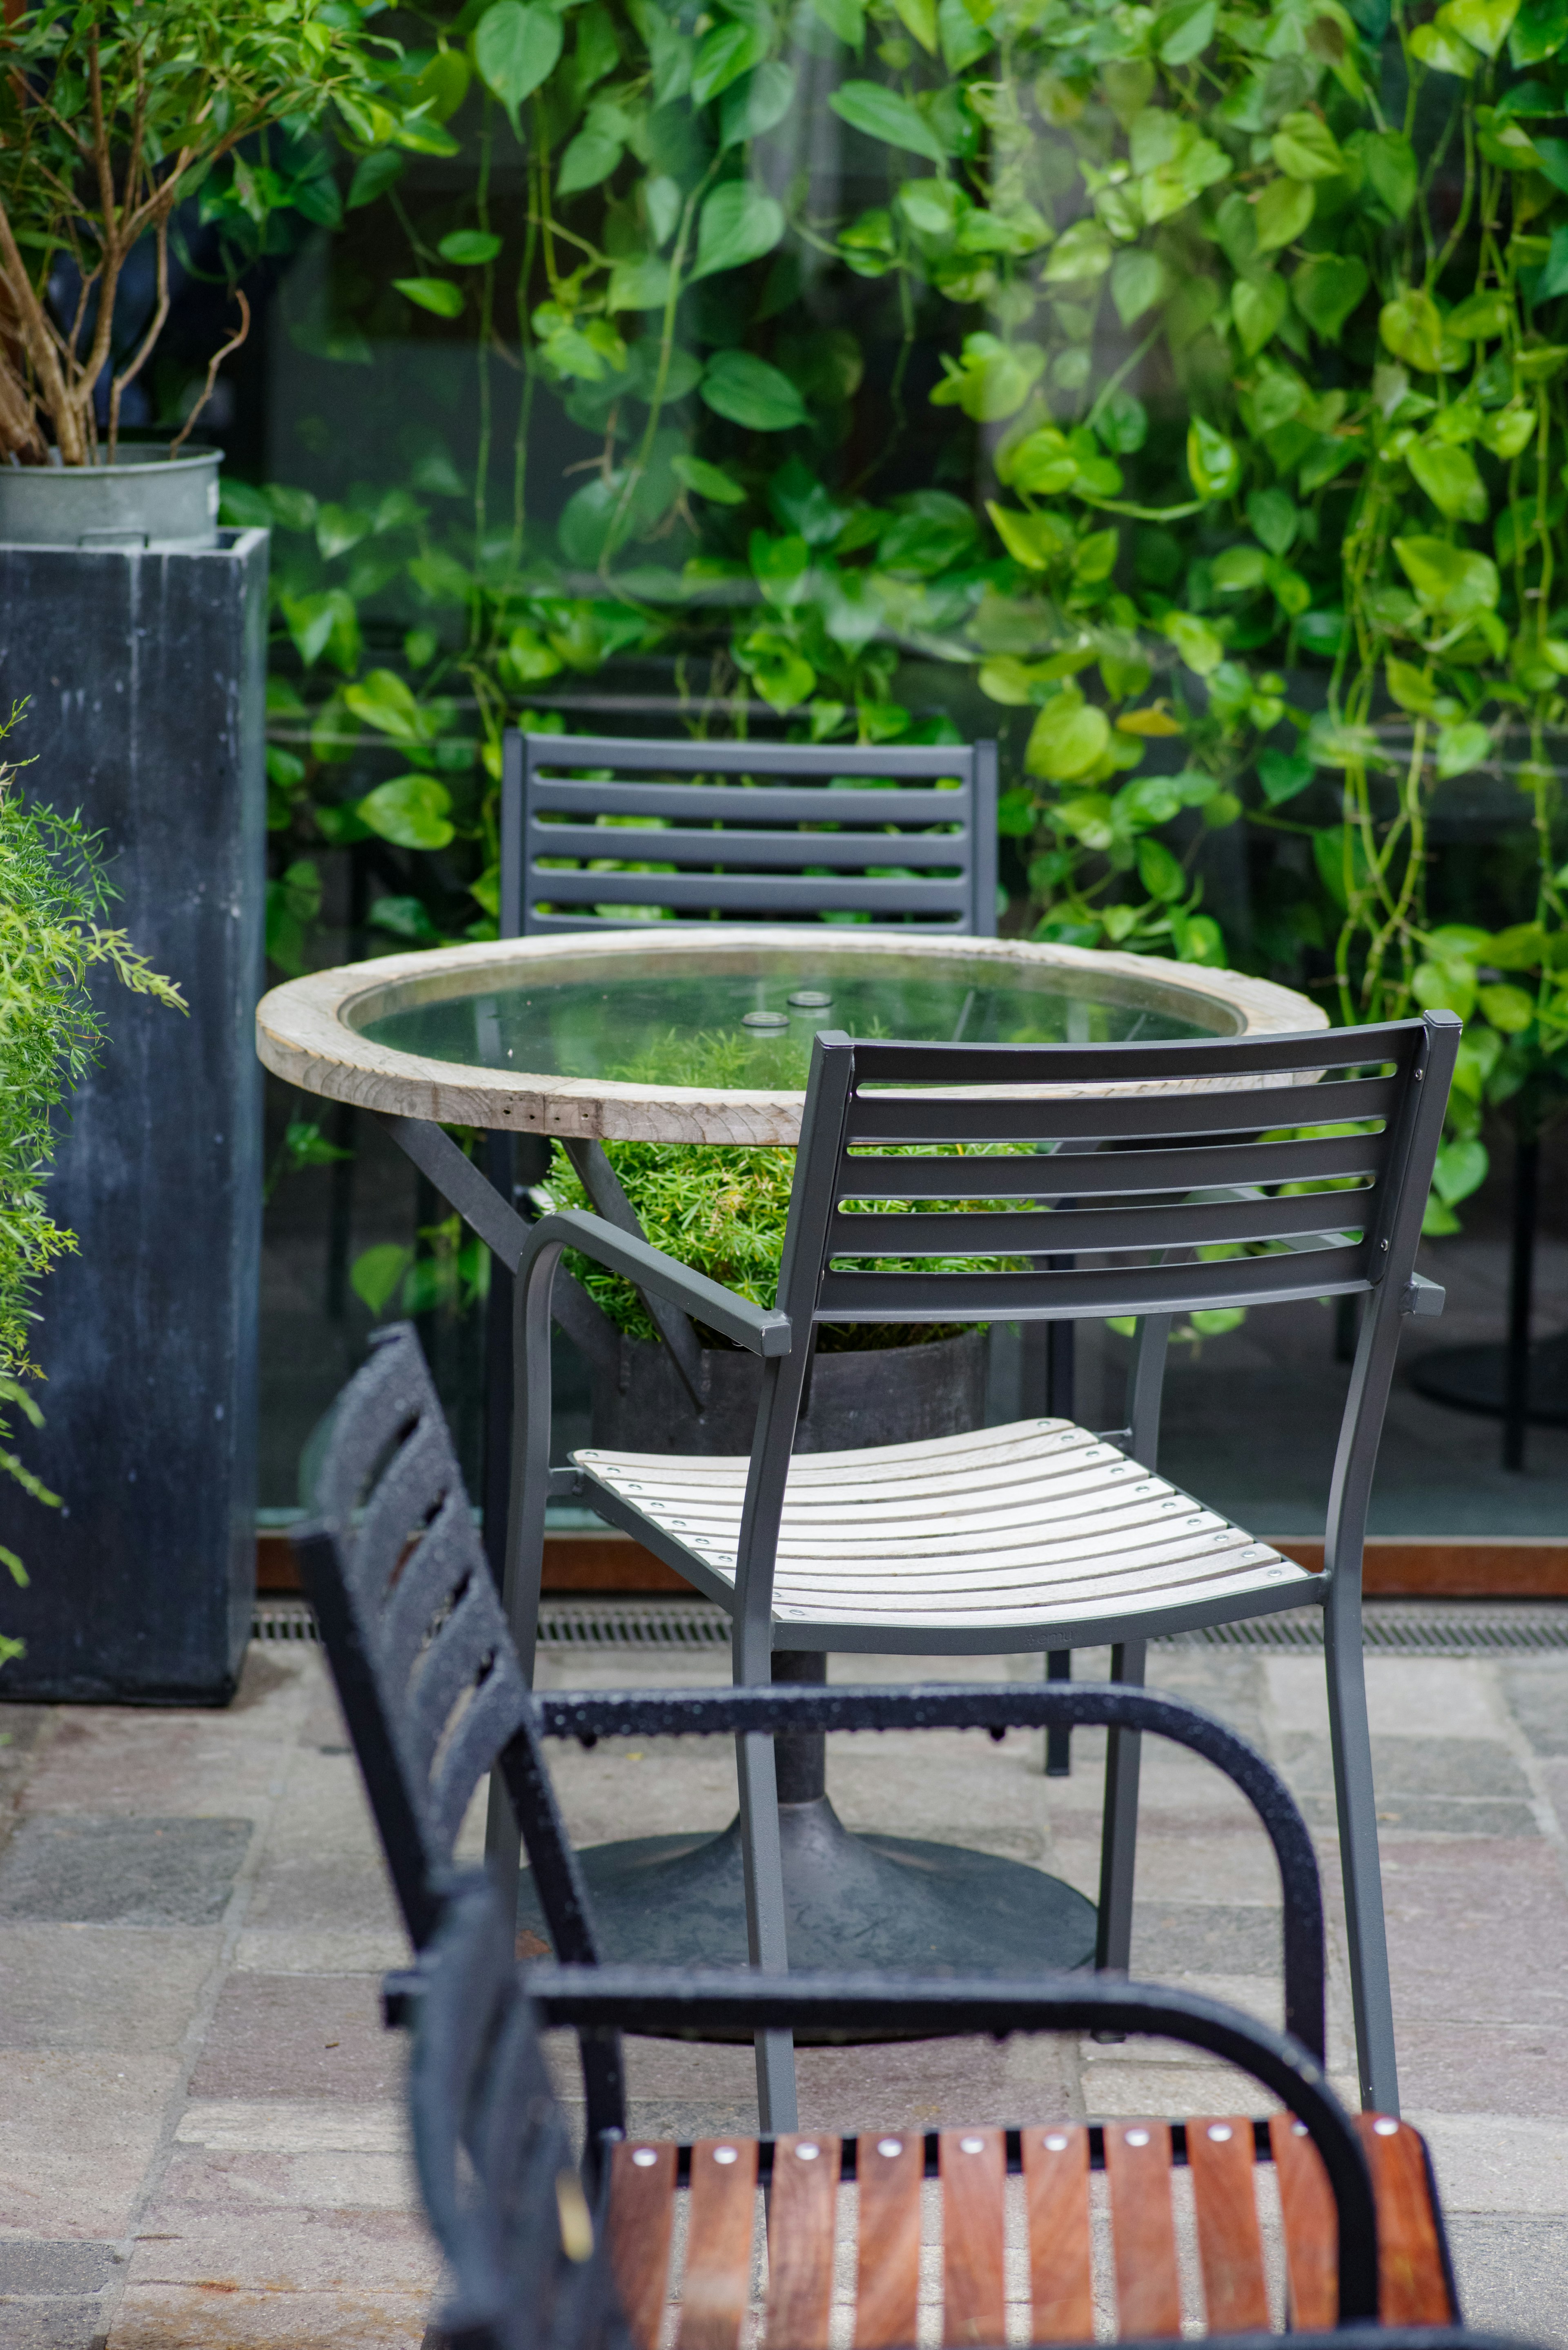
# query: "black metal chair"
[[761, 831], [1247, 1171]]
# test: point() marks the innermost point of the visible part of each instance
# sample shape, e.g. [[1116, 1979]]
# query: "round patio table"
[[703, 1034]]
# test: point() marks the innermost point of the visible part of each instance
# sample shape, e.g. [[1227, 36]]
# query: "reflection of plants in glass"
[[52, 942], [1185, 383], [113, 114]]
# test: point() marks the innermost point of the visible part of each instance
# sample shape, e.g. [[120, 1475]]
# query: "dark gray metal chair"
[[1039, 1535], [762, 831], [540, 2256]]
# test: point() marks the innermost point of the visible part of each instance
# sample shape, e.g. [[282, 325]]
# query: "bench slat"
[[1143, 2228], [889, 2278], [1310, 2227], [802, 2214], [1230, 2242], [1411, 2288], [1061, 2274], [641, 2216], [720, 2224], [973, 2166]]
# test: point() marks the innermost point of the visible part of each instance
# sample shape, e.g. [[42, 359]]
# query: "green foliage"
[[1188, 386], [52, 942], [113, 113]]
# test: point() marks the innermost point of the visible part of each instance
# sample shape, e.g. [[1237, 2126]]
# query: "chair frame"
[[966, 905], [1199, 1143]]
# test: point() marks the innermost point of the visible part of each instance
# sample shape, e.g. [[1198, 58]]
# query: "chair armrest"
[[997, 1707], [1422, 1296], [761, 1330]]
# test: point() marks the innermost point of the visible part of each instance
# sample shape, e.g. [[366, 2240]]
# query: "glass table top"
[[746, 1020]]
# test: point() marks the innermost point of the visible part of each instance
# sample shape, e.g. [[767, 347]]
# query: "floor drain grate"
[[1394, 1627]]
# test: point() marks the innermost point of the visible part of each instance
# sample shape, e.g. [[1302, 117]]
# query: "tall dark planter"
[[146, 676]]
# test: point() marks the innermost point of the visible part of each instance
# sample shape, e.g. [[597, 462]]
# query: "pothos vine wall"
[[1187, 381]]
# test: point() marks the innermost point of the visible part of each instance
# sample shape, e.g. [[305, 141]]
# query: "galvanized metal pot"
[[145, 499]]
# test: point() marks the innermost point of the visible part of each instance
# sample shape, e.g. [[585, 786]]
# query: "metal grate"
[[1405, 1627]]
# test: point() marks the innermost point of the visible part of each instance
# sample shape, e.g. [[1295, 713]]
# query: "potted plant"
[[52, 893], [723, 1212], [112, 117]]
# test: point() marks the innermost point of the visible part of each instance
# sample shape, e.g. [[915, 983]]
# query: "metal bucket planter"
[[145, 499], [879, 1394], [136, 629]]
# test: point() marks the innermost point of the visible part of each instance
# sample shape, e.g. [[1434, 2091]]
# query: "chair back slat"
[[1061, 2256], [1229, 2241], [720, 2225], [641, 2223], [1162, 1212], [802, 2210], [973, 2166], [890, 2167], [1308, 2222], [1143, 2230], [777, 831]]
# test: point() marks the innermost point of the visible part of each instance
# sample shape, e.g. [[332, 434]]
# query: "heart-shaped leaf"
[[411, 811], [1412, 328], [436, 293], [1306, 149], [1451, 480], [1327, 289], [1258, 304], [738, 223], [881, 115], [515, 48], [1452, 579], [749, 391], [1138, 281], [1282, 212]]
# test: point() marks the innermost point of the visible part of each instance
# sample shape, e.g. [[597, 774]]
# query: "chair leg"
[[1356, 1804], [765, 1936], [1119, 1843], [1058, 1742]]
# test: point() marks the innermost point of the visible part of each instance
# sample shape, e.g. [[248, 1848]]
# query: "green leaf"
[[1066, 742], [1461, 1166], [385, 700], [1081, 255], [738, 223], [638, 282], [1451, 480], [1043, 465], [1258, 304], [376, 1275], [515, 48], [1282, 777], [1200, 648], [1035, 540], [468, 248], [1239, 570], [780, 671], [757, 104], [1305, 148], [1539, 31], [1484, 24], [1326, 289], [749, 391], [1282, 212], [726, 53], [1138, 280], [846, 19], [1185, 31], [1444, 52], [882, 115], [1508, 1008], [707, 481], [1211, 462], [589, 161], [373, 175], [1412, 328], [1162, 874], [1274, 518], [411, 811], [1388, 161], [992, 380], [1451, 580], [437, 293], [964, 40], [919, 17], [1462, 747]]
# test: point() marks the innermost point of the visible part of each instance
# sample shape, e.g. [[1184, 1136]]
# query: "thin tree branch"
[[129, 373], [212, 365]]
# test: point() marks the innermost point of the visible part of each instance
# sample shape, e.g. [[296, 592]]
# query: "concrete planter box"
[[146, 676]]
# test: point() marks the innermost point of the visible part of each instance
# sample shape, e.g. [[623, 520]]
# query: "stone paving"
[[201, 2132]]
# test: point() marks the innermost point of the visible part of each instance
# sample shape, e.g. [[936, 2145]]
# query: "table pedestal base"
[[851, 1901]]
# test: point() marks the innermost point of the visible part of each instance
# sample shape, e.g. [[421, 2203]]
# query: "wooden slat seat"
[[1038, 1522], [801, 2176]]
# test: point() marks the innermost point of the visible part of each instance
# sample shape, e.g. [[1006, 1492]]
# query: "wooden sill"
[[1457, 1566]]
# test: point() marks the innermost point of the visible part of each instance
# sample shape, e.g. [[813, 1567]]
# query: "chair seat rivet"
[[725, 2153], [1137, 2137], [971, 2146], [1385, 2127], [643, 2157], [1221, 2132], [1055, 2143], [890, 2146], [807, 2153]]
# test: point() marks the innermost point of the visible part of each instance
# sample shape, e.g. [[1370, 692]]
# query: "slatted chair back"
[[530, 2267], [762, 832], [1179, 1177], [417, 1644]]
